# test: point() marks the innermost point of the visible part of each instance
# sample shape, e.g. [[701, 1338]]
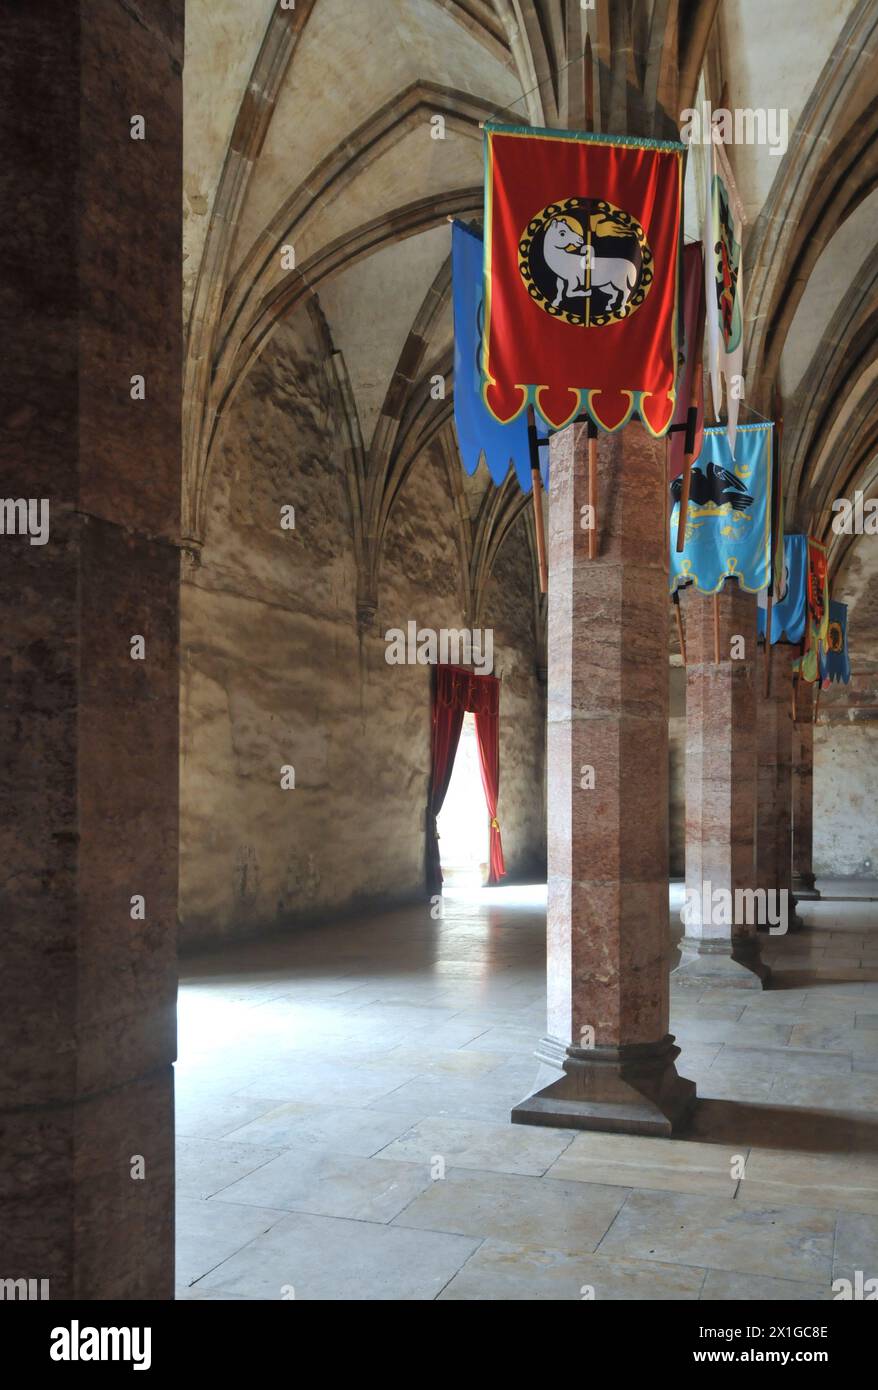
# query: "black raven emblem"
[[716, 485]]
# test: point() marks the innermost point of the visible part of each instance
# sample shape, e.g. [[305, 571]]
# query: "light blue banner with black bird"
[[788, 606], [728, 519], [478, 432]]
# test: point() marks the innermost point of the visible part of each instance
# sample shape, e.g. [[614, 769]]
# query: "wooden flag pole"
[[775, 527], [593, 488], [537, 482], [589, 87], [716, 627], [816, 703], [689, 454], [795, 696], [681, 638], [538, 524], [665, 481], [588, 93]]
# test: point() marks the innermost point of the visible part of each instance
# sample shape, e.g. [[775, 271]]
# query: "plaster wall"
[[275, 673]]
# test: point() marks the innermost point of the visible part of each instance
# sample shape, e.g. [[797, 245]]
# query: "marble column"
[[774, 779], [92, 249], [803, 796], [608, 1059], [720, 943]]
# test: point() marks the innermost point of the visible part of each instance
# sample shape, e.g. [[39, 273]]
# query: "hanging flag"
[[728, 521], [477, 430], [834, 660], [724, 289], [693, 343], [817, 616], [789, 598], [582, 261]]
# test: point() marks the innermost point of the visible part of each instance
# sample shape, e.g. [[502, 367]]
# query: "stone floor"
[[343, 1102]]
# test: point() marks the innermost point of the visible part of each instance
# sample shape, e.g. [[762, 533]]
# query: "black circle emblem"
[[585, 261]]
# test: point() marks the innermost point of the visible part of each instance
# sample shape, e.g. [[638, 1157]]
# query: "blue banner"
[[788, 608], [477, 430], [835, 663], [728, 521]]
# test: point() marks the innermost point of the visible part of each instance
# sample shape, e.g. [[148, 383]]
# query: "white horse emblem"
[[571, 261]]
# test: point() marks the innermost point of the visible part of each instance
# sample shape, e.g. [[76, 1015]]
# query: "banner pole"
[[689, 452], [768, 647], [589, 87], [816, 703], [716, 627], [666, 488], [593, 488], [537, 486], [795, 696], [681, 637]]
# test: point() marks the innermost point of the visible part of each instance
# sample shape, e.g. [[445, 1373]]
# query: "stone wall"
[[275, 673], [845, 789], [845, 801], [509, 610]]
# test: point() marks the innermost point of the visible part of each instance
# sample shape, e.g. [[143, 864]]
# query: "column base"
[[632, 1089], [794, 923], [804, 889], [735, 964]]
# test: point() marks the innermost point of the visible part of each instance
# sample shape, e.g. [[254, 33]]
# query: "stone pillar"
[[774, 723], [92, 253], [608, 832], [803, 796], [720, 943]]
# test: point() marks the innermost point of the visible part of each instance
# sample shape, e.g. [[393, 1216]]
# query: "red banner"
[[582, 247]]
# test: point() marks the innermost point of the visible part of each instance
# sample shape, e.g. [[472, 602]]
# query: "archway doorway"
[[463, 821]]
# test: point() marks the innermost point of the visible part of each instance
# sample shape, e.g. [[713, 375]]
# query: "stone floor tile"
[[522, 1210], [327, 1184], [635, 1161], [324, 1258], [204, 1166], [343, 1129], [209, 1232], [469, 1144], [784, 1242], [720, 1286], [506, 1273]]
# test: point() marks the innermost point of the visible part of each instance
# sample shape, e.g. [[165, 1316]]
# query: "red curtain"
[[448, 712], [488, 731], [455, 692]]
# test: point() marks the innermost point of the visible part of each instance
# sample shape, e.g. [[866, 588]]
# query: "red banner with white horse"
[[582, 263]]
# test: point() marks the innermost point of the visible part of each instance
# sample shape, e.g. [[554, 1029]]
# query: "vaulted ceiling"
[[315, 128]]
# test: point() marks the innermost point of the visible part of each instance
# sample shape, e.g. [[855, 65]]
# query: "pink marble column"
[[774, 786], [720, 943], [803, 796], [609, 1060], [88, 745]]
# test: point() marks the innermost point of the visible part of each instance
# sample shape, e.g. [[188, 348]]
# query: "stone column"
[[720, 943], [608, 799], [774, 786], [803, 796], [91, 298]]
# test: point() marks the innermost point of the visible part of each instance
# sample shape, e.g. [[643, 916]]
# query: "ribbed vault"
[[381, 184]]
